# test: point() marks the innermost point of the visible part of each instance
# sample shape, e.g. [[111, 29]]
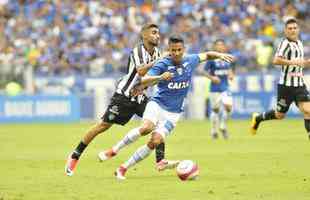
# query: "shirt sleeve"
[[137, 56], [282, 48], [195, 60], [209, 66], [157, 69]]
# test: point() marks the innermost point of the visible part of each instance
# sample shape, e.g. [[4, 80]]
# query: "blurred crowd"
[[94, 37]]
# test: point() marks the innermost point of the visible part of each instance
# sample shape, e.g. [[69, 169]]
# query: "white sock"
[[214, 117], [129, 138], [223, 120], [139, 155]]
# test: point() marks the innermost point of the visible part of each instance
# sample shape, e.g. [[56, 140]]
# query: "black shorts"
[[122, 108], [286, 95]]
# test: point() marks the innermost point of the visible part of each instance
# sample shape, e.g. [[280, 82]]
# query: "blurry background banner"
[[39, 109]]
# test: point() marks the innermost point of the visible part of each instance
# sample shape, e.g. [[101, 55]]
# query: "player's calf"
[[224, 133], [214, 135]]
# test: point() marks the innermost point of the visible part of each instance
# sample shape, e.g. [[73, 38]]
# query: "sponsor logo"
[[178, 85], [295, 74], [171, 67], [221, 72]]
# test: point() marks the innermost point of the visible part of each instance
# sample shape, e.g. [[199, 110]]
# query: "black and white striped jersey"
[[138, 56], [291, 75]]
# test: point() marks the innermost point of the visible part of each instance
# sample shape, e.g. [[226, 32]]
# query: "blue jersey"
[[170, 94], [220, 69]]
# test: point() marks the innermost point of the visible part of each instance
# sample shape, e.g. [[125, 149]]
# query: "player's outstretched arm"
[[212, 78], [231, 75], [278, 60], [152, 80], [143, 69], [210, 55]]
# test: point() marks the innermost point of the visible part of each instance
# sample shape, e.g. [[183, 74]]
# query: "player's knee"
[[101, 127], [280, 115], [306, 113], [156, 139], [146, 128], [228, 108], [216, 110], [151, 145]]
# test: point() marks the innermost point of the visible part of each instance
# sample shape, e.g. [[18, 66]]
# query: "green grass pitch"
[[273, 165]]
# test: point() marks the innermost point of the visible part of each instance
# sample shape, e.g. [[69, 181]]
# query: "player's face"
[[220, 47], [176, 51], [152, 36], [292, 31]]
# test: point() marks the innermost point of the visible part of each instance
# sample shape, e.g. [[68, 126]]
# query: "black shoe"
[[224, 133], [214, 135]]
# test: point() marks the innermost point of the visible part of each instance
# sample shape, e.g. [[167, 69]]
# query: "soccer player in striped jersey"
[[291, 86], [173, 77], [127, 99]]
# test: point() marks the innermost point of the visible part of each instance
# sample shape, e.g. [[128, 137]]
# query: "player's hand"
[[227, 57], [307, 63], [215, 79], [137, 90], [166, 76], [301, 62]]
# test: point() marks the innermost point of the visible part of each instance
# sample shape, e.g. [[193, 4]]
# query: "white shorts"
[[164, 120], [220, 98]]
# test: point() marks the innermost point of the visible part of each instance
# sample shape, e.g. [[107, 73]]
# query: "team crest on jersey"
[[180, 71], [185, 64], [282, 102], [114, 109], [111, 116]]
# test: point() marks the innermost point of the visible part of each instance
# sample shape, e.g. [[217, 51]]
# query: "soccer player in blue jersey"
[[173, 76], [220, 73]]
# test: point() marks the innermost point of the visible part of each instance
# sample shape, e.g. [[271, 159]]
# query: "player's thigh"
[[167, 122], [119, 111], [227, 100], [285, 98], [215, 100], [304, 107], [152, 112], [140, 107], [303, 100], [157, 138]]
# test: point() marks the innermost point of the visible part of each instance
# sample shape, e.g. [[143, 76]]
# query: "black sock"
[[269, 115], [307, 126], [78, 150], [160, 152]]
